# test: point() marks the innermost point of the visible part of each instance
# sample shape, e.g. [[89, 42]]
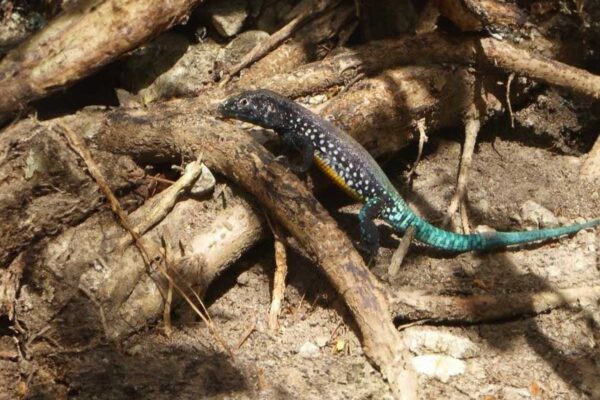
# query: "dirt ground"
[[315, 355]]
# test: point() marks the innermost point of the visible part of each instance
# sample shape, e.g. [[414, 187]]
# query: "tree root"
[[53, 58], [418, 304]]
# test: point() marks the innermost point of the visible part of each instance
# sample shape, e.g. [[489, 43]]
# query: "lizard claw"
[[296, 168]]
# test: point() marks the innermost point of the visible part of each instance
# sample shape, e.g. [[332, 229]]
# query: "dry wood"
[[201, 244], [79, 146], [148, 253], [422, 140], [471, 15], [42, 188], [159, 206], [400, 253], [523, 62], [79, 42]]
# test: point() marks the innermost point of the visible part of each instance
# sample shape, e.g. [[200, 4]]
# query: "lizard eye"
[[244, 102]]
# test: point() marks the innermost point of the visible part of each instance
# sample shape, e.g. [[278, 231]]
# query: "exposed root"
[[416, 304], [590, 169], [472, 125], [80, 147], [523, 62]]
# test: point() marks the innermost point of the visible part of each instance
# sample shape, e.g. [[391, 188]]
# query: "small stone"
[[440, 367], [243, 279], [205, 183], [239, 47], [537, 215], [322, 341], [228, 16], [426, 340], [134, 350], [308, 350], [169, 66]]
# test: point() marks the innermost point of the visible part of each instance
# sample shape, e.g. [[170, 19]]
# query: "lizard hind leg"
[[368, 230]]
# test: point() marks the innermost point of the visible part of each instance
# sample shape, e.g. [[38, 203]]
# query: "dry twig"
[[281, 269], [160, 206], [422, 140], [400, 253]]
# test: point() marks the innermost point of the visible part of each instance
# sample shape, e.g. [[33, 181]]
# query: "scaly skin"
[[351, 167]]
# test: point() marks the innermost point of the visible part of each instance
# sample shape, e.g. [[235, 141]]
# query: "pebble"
[[228, 17], [308, 350], [322, 341], [534, 214]]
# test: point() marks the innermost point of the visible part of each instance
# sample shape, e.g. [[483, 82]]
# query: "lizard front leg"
[[304, 146]]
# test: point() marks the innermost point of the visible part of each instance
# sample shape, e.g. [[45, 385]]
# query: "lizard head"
[[260, 107]]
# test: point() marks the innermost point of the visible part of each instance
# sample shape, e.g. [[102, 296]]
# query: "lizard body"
[[351, 167]]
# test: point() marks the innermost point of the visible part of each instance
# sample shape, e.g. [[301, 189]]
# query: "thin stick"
[[159, 179], [508, 103], [400, 253], [162, 205], [281, 269], [422, 140], [245, 336]]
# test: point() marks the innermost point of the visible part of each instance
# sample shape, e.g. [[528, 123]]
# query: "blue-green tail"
[[401, 217]]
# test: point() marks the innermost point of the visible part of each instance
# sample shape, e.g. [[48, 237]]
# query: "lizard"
[[352, 168]]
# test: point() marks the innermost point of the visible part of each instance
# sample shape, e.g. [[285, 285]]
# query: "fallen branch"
[[302, 48]]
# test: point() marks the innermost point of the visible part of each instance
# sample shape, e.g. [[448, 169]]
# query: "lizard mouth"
[[223, 109]]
